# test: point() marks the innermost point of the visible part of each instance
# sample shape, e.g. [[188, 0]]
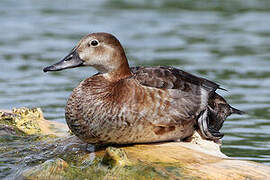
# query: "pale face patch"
[[99, 56]]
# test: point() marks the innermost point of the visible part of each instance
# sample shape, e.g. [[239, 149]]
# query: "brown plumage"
[[139, 104]]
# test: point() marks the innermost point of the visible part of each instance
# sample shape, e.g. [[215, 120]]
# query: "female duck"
[[137, 105]]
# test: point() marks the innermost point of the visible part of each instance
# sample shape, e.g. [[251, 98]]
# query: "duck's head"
[[102, 51]]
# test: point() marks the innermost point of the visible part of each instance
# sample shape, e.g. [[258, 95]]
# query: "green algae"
[[115, 157], [111, 164], [45, 156], [98, 170], [139, 170], [24, 155], [50, 169], [114, 164], [23, 120]]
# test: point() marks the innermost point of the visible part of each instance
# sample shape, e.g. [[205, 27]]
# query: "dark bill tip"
[[50, 68], [45, 69]]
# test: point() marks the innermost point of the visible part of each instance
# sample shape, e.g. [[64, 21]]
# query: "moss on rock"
[[115, 157], [30, 122], [23, 119], [31, 148], [50, 169]]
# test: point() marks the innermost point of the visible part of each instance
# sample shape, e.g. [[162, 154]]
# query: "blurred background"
[[225, 41]]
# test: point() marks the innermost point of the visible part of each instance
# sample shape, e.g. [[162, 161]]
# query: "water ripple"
[[225, 41]]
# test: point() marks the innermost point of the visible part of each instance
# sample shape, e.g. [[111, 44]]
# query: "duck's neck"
[[122, 71]]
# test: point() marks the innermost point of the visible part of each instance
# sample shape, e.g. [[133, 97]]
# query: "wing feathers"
[[171, 78]]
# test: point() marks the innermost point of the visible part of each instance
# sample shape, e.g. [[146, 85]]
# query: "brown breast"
[[125, 111]]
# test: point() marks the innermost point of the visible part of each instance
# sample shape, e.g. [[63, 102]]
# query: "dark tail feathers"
[[236, 111]]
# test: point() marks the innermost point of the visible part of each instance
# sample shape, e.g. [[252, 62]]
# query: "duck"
[[128, 105]]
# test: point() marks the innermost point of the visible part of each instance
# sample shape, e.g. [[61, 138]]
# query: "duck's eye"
[[94, 43]]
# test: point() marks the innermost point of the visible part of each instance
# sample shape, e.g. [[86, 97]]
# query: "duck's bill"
[[70, 61]]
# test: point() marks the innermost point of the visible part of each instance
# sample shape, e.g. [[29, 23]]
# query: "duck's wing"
[[189, 94], [171, 78]]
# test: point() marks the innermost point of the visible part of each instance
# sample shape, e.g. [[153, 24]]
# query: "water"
[[224, 41]]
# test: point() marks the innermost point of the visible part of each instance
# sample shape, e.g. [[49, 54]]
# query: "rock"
[[115, 157], [6, 130], [64, 156], [51, 169], [31, 121], [204, 146], [150, 161], [187, 162]]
